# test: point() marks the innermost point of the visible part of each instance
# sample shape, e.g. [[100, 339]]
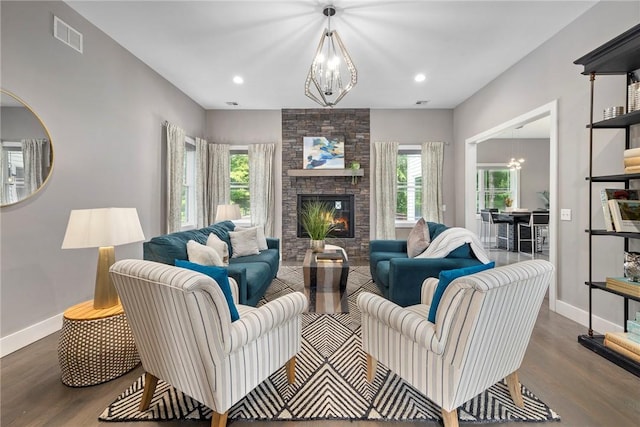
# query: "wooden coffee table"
[[325, 280]]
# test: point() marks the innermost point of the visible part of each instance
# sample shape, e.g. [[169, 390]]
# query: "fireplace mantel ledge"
[[325, 172]]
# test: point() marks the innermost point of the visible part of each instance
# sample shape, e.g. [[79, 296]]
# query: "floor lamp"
[[103, 229]]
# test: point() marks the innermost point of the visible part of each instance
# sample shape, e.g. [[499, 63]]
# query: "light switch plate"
[[565, 214]]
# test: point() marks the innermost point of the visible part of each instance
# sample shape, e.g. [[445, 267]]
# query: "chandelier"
[[330, 65], [515, 164]]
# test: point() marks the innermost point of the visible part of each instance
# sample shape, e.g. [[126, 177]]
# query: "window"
[[409, 184], [188, 206], [239, 167], [494, 183]]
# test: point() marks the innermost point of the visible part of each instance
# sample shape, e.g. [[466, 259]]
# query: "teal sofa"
[[253, 273], [400, 278]]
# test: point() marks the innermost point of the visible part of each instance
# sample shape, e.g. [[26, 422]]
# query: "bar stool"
[[486, 225], [495, 219], [537, 222]]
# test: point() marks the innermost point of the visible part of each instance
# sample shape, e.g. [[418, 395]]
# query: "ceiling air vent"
[[66, 34], [232, 103], [421, 102]]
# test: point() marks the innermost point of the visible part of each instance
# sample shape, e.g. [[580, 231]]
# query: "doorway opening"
[[471, 155]]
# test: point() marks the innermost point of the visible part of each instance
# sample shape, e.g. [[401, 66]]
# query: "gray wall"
[[534, 175], [19, 123], [104, 109], [546, 74], [415, 127], [244, 127]]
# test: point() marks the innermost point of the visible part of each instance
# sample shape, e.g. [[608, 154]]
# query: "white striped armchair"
[[183, 331], [482, 329]]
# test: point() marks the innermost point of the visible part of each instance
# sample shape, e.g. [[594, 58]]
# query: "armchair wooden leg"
[[219, 420], [514, 389], [372, 364], [291, 370], [450, 418], [150, 382]]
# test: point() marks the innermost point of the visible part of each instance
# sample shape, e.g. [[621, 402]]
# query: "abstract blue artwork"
[[323, 153]]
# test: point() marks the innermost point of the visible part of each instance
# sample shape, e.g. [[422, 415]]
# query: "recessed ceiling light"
[[238, 80], [420, 77]]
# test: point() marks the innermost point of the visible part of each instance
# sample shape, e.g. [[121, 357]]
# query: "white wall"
[[546, 74], [104, 109], [534, 175]]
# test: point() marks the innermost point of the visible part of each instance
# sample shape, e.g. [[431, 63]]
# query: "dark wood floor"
[[585, 389]]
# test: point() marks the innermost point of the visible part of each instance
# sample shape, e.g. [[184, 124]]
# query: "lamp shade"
[[227, 212], [92, 228]]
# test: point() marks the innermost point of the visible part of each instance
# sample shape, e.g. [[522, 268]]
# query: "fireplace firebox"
[[343, 218]]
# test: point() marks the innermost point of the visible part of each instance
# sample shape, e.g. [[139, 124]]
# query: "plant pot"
[[317, 245]]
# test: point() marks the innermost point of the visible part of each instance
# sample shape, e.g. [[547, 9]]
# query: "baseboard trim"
[[581, 316], [29, 335]]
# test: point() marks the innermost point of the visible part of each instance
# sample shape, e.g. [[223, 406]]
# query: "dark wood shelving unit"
[[620, 56]]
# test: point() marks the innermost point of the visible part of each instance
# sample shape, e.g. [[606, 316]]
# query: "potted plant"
[[316, 219], [507, 203]]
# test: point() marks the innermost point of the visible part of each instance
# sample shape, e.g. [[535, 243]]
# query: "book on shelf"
[[632, 152], [632, 169], [329, 256], [632, 161], [624, 285], [623, 351], [625, 215], [633, 327], [622, 339], [607, 194]]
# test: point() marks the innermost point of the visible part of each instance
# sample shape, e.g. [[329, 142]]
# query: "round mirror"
[[26, 153]]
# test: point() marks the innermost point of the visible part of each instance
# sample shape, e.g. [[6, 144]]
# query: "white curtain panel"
[[175, 176], [219, 178], [261, 190], [34, 153], [386, 158], [204, 204], [432, 164], [5, 193]]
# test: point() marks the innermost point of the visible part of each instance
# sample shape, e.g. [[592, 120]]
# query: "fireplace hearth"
[[343, 218]]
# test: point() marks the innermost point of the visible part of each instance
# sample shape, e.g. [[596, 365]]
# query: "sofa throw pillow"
[[444, 280], [262, 240], [418, 239], [220, 247], [203, 254], [221, 276], [244, 242]]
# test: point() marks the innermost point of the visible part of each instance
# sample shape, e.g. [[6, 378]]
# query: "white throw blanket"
[[450, 240]]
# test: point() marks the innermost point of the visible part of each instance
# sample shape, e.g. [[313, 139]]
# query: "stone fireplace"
[[352, 125], [343, 217]]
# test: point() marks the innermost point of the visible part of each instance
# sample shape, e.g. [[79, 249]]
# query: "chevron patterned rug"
[[330, 382]]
